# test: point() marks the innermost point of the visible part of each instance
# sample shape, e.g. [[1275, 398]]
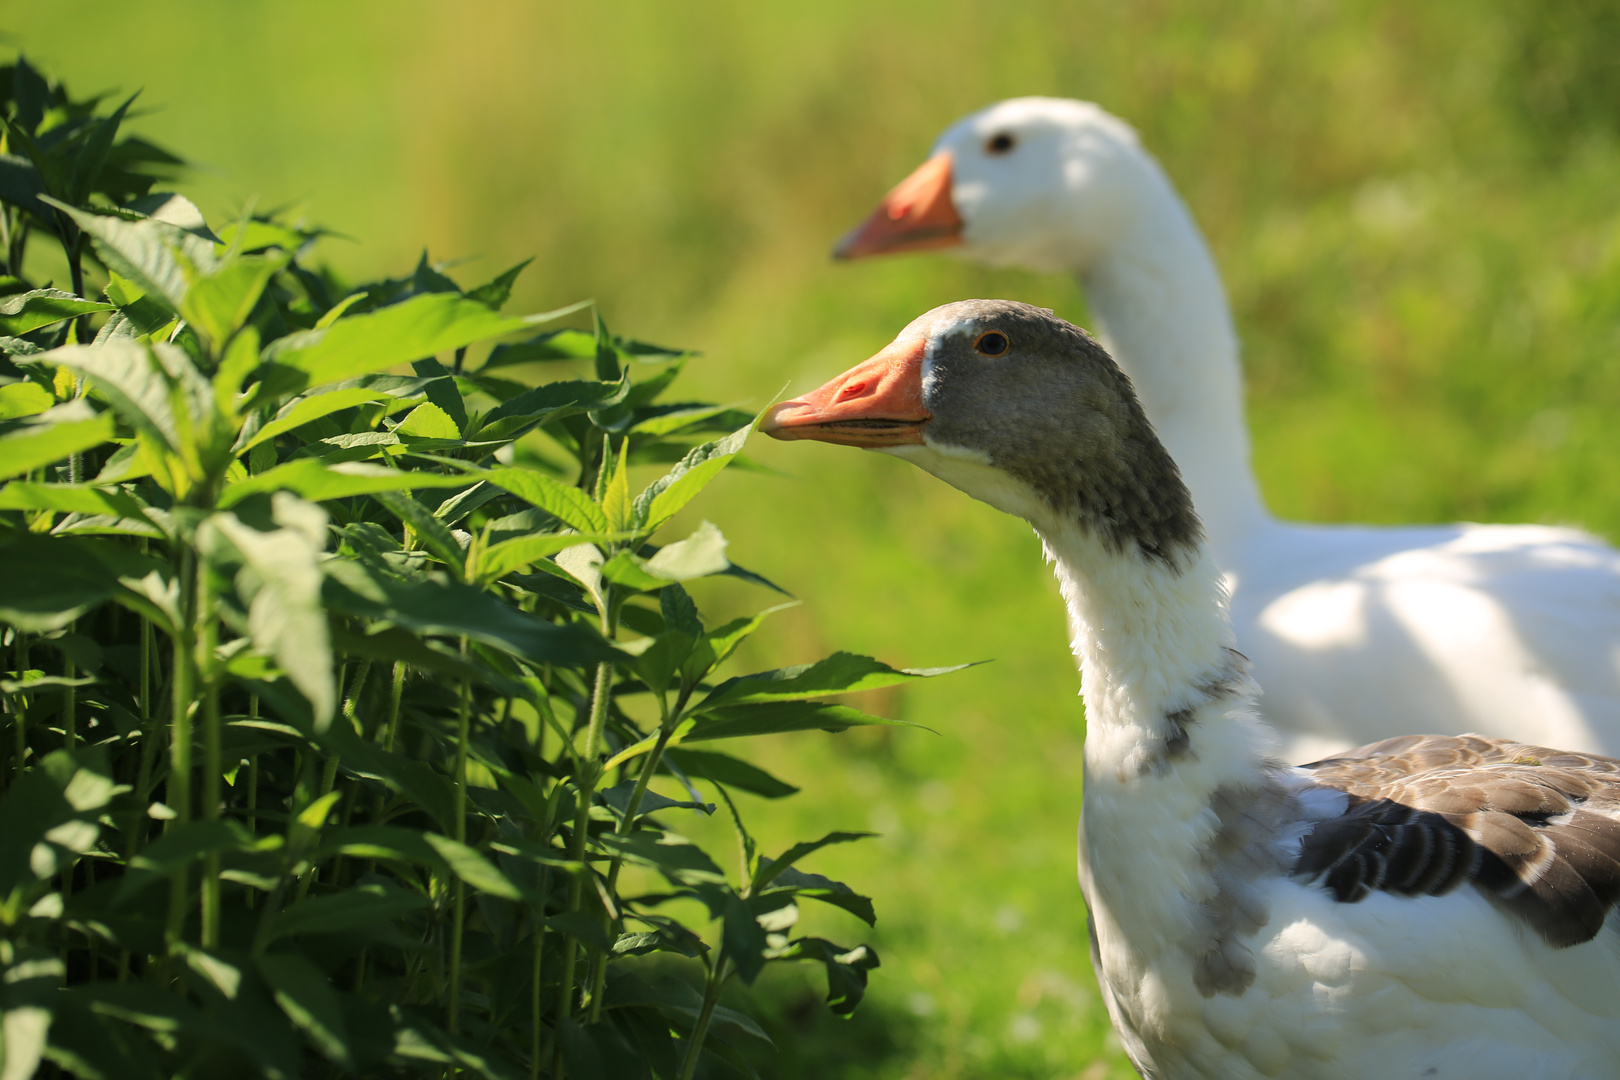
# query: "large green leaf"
[[699, 555], [52, 436], [665, 496], [421, 326], [569, 504], [438, 606], [70, 499], [471, 867], [302, 410], [218, 302], [25, 312], [730, 771], [774, 717], [355, 908], [286, 619], [498, 560], [846, 969], [840, 673], [676, 857], [66, 577], [309, 1002], [431, 534], [24, 399], [31, 986], [156, 389], [769, 869], [318, 481], [148, 252]]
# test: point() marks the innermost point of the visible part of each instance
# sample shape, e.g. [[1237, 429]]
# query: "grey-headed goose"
[[1428, 906]]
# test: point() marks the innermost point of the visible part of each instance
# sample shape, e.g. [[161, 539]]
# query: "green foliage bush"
[[336, 695]]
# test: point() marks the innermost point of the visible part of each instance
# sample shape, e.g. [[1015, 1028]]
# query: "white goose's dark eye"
[[991, 343], [1000, 143]]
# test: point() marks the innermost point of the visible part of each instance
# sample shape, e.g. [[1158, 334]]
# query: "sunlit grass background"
[[1416, 208]]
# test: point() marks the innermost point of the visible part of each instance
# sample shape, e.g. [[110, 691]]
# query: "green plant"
[[340, 697]]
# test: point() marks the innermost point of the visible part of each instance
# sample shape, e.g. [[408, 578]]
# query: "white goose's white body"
[[1428, 907], [1443, 987], [1357, 633]]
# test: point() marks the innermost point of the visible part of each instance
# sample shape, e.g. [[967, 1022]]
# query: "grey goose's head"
[[1017, 408]]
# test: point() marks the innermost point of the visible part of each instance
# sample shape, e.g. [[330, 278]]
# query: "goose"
[[1358, 633], [1426, 906]]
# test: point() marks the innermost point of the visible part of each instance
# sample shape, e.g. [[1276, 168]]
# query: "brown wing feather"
[[1536, 830]]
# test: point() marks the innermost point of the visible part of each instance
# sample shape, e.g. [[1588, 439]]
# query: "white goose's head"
[[1039, 183], [1019, 409]]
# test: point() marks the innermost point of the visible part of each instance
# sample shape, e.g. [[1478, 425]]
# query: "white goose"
[[1357, 633], [1425, 907]]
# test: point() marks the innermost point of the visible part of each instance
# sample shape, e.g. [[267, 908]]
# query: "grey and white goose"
[[1427, 906], [1358, 632]]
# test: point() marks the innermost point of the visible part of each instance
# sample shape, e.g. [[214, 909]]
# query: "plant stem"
[[212, 764], [183, 682], [20, 705], [711, 997], [589, 774], [459, 910]]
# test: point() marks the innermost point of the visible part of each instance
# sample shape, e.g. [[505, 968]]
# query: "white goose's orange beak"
[[918, 214], [874, 404]]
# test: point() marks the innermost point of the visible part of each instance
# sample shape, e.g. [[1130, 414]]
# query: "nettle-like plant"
[[350, 709]]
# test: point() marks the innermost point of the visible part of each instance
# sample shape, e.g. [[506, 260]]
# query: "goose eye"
[[991, 343], [1000, 144]]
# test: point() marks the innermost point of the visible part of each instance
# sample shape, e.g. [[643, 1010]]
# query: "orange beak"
[[874, 404], [918, 214]]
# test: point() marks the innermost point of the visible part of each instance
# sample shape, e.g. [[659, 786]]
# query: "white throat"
[[1162, 313]]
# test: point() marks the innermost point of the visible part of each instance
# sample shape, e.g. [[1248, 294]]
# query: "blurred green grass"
[[1416, 208]]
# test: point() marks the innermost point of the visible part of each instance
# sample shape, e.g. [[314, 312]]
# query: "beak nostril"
[[852, 389]]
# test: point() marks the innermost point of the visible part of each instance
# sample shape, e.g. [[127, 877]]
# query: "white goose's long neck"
[[1170, 739], [1157, 297]]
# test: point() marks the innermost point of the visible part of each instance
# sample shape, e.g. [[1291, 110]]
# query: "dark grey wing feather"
[[1536, 830]]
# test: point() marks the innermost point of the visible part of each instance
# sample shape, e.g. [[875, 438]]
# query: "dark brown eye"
[[991, 343], [1000, 143]]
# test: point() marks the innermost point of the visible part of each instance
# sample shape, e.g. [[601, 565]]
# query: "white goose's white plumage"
[[1357, 633], [1424, 907]]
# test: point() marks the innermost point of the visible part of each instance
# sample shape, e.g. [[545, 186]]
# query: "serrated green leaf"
[[24, 399], [286, 618], [775, 717], [319, 482], [846, 969], [68, 575], [431, 533], [443, 607], [676, 857], [699, 555], [421, 326], [669, 493], [26, 312], [309, 1002], [498, 560], [146, 251], [219, 300], [52, 436], [770, 869], [357, 907], [840, 673], [69, 499], [568, 504], [428, 421], [303, 410], [468, 865], [730, 771], [495, 293]]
